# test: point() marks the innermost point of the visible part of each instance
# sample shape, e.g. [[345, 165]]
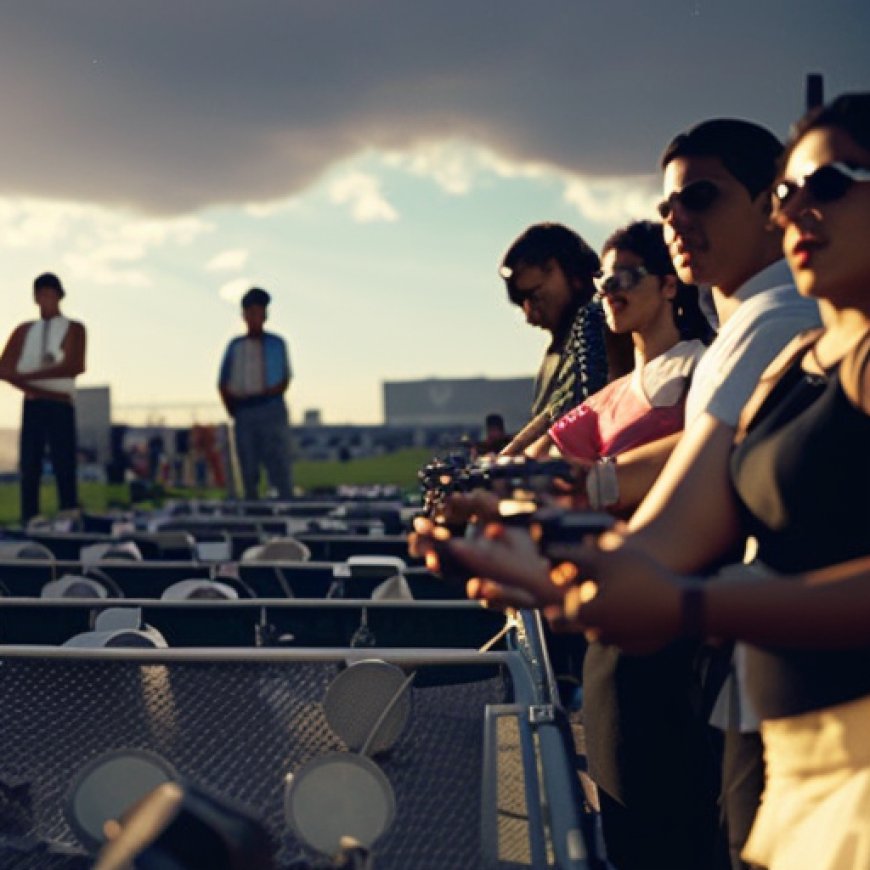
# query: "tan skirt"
[[815, 811]]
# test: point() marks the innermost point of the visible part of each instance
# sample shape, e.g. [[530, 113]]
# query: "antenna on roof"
[[815, 90]]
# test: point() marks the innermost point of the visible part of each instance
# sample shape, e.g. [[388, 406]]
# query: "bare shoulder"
[[16, 337], [855, 374]]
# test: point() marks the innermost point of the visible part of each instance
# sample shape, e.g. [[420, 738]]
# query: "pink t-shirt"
[[641, 407]]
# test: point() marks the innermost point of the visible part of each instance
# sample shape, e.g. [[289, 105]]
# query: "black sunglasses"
[[696, 197], [825, 184], [623, 278]]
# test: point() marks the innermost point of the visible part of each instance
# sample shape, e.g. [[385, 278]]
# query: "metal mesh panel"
[[236, 729], [513, 816]]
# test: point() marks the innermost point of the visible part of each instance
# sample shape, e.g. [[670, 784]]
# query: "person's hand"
[[619, 596], [421, 542], [507, 567], [458, 510]]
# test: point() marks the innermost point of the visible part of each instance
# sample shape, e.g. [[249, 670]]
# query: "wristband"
[[692, 616], [602, 484]]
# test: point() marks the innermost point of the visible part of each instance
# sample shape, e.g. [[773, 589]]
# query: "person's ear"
[[669, 286]]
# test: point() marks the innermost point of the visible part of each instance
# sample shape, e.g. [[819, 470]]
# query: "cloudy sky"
[[367, 161]]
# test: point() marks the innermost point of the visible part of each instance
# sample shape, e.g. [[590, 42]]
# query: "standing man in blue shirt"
[[254, 375]]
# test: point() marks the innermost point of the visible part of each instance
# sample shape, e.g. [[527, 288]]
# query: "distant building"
[[312, 417], [457, 402]]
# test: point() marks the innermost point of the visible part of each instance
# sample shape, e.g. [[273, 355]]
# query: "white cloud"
[[457, 166], [102, 265], [361, 192], [228, 261], [613, 201], [101, 244], [233, 290], [270, 208], [29, 223]]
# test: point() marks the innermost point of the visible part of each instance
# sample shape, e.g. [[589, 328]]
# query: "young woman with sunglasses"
[[641, 295], [800, 486]]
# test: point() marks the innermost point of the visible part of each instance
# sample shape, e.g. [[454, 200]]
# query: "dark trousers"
[[742, 784], [655, 760], [46, 423]]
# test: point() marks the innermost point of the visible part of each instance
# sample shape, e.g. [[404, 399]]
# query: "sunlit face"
[[255, 318], [722, 243], [546, 294], [640, 307], [827, 243]]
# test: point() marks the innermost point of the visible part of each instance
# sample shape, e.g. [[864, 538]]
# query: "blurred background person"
[[254, 376], [42, 358]]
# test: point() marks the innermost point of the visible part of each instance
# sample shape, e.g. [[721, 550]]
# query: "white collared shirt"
[[770, 314]]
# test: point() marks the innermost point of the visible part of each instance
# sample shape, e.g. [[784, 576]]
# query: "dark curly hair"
[[543, 242]]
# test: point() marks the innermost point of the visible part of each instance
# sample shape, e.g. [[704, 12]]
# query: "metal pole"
[[815, 90]]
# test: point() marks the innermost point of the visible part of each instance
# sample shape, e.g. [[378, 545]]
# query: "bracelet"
[[602, 484], [692, 601]]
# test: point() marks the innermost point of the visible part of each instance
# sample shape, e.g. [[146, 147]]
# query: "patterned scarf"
[[582, 366]]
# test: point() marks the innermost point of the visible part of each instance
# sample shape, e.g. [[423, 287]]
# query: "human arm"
[[11, 353], [689, 517], [528, 435], [277, 390], [638, 469], [637, 604], [688, 521], [540, 449], [228, 398]]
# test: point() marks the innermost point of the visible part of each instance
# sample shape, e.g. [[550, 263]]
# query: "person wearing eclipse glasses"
[[797, 481], [642, 297], [654, 792]]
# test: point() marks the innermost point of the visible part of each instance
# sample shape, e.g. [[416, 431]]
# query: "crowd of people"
[[726, 682]]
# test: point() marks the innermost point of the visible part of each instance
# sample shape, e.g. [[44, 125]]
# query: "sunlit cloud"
[[102, 245], [233, 290], [31, 223], [457, 167], [613, 201], [228, 261], [271, 208], [361, 192], [107, 265]]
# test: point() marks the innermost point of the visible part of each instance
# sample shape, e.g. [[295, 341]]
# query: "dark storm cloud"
[[168, 106]]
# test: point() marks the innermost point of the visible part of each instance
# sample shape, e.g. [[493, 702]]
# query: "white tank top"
[[42, 348]]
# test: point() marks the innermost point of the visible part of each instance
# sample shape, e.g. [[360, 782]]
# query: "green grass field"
[[399, 468]]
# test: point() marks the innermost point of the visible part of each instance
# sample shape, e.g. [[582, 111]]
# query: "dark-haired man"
[[646, 741], [42, 359], [254, 375], [549, 273]]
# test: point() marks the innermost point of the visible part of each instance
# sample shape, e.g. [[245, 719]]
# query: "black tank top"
[[802, 476]]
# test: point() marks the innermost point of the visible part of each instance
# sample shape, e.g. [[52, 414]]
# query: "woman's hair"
[[849, 112], [645, 239]]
